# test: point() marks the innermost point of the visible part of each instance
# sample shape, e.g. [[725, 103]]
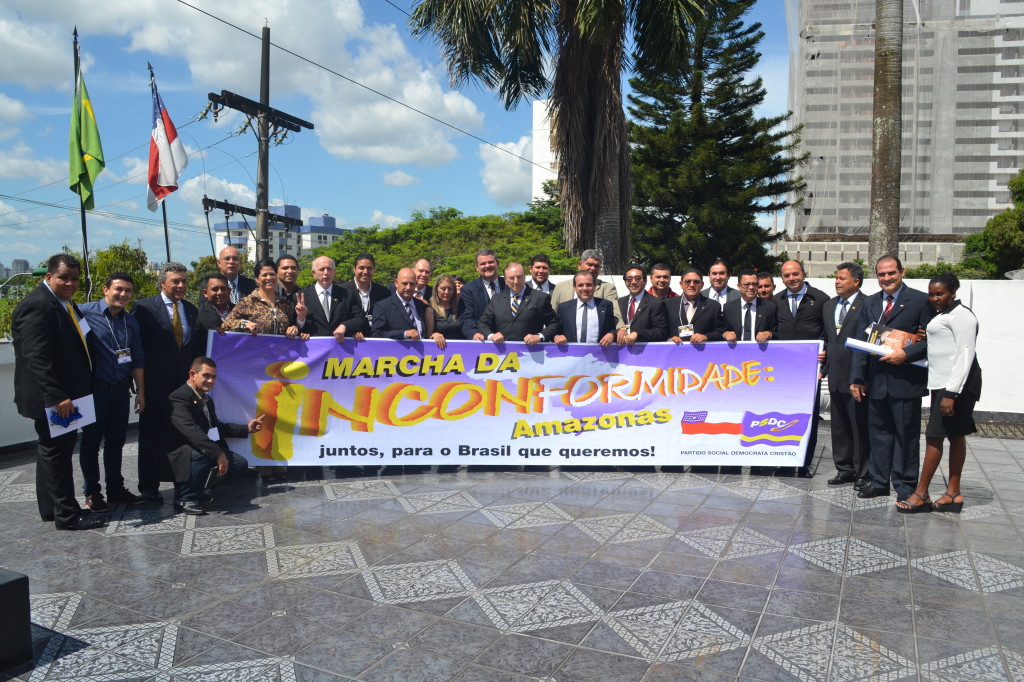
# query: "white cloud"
[[20, 162], [191, 192], [12, 110], [351, 122], [400, 178], [507, 178], [379, 218]]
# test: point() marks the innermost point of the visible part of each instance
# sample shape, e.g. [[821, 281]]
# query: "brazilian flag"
[[85, 158]]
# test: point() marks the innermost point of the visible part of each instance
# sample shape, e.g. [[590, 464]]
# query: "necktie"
[[691, 308], [748, 323], [515, 304], [179, 331], [327, 303], [490, 289], [842, 311], [794, 303], [234, 292], [583, 325], [632, 310], [415, 322], [888, 307], [78, 328]]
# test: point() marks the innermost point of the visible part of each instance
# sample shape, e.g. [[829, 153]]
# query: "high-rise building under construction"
[[962, 111]]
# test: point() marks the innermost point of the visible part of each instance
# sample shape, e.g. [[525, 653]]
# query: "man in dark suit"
[[333, 311], [168, 323], [644, 314], [199, 443], [423, 270], [586, 319], [214, 305], [229, 262], [51, 370], [693, 317], [477, 294], [364, 290], [720, 291], [749, 318], [402, 316], [849, 417], [892, 386], [517, 313], [800, 308]]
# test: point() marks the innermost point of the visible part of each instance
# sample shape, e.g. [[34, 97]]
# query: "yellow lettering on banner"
[[390, 398]]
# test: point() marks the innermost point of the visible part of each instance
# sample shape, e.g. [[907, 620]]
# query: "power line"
[[398, 8], [367, 87]]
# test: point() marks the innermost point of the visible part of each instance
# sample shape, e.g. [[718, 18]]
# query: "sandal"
[[905, 507], [953, 507]]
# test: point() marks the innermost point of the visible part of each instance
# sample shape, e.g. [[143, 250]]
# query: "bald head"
[[515, 277], [793, 275], [229, 261], [323, 271], [405, 283]]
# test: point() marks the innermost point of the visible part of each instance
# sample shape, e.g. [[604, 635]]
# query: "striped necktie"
[[515, 304]]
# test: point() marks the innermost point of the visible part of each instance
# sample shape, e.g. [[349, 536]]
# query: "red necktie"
[[888, 307], [632, 309]]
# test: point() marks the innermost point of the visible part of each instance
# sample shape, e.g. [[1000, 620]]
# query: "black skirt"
[[961, 423]]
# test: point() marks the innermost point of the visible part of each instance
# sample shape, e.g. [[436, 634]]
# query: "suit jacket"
[[731, 294], [910, 311], [473, 301], [246, 285], [707, 320], [391, 321], [344, 310], [378, 293], [535, 316], [50, 361], [838, 356], [650, 321], [605, 319], [766, 318], [167, 365], [207, 318], [809, 324], [564, 291], [191, 429]]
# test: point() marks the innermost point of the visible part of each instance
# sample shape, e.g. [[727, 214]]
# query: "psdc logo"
[[773, 424]]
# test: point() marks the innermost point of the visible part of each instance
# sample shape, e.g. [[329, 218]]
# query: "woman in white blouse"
[[954, 379]]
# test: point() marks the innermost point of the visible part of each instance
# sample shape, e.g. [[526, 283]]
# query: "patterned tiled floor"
[[554, 575]]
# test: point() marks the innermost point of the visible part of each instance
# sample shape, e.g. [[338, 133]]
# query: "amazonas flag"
[[167, 157]]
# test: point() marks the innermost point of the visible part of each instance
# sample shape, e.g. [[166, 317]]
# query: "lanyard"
[[117, 346]]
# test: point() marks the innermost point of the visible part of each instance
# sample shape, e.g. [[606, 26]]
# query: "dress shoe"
[[190, 508], [862, 483], [869, 492], [96, 503], [804, 472], [151, 496], [842, 479], [82, 521], [123, 496]]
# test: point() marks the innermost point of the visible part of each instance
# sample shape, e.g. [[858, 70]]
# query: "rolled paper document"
[[865, 347]]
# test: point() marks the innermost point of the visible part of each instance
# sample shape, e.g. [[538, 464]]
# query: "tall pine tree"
[[703, 163]]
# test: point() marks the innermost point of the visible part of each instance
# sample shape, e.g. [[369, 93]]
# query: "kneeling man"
[[202, 446]]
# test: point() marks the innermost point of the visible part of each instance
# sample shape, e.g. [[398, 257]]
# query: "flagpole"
[[167, 237], [81, 200]]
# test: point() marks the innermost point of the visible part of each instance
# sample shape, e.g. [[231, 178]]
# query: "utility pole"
[[265, 116]]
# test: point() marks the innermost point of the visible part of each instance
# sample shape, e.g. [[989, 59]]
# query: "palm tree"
[[887, 132], [507, 46]]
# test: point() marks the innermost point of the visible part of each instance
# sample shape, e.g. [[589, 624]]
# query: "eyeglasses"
[[692, 281], [748, 285], [634, 279]]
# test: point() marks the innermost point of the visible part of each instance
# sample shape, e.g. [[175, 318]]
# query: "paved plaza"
[[554, 575]]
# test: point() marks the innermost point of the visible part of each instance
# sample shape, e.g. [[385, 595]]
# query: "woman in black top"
[[445, 304]]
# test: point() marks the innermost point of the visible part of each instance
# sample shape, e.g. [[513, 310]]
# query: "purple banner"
[[388, 402]]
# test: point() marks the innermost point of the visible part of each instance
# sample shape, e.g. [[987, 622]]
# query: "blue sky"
[[368, 162]]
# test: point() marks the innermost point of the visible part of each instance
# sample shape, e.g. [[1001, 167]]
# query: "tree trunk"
[[887, 131], [590, 139]]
